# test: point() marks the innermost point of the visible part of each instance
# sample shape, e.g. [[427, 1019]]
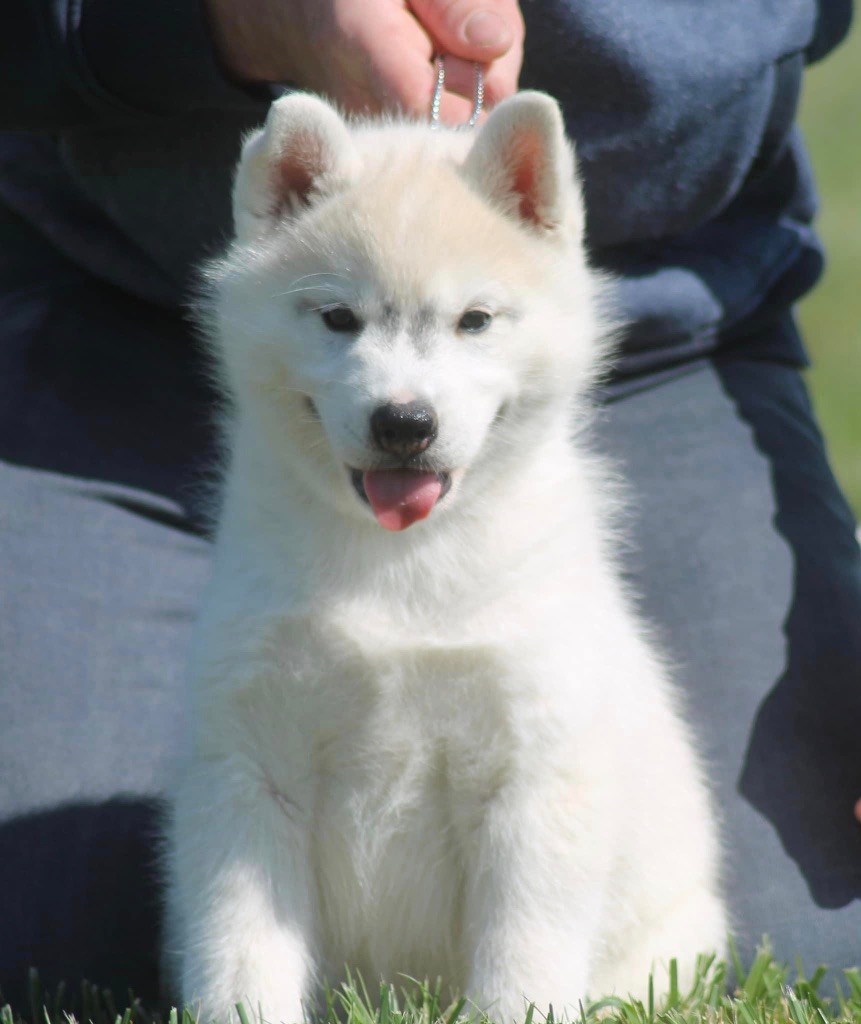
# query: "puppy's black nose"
[[404, 428]]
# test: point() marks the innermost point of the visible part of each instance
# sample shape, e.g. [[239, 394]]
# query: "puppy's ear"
[[524, 164], [303, 148]]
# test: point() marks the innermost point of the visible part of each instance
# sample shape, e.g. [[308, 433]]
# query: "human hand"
[[373, 55]]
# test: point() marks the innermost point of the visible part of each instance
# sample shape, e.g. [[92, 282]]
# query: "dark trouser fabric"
[[742, 548], [745, 554]]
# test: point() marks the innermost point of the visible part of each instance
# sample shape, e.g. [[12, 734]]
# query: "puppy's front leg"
[[241, 902], [533, 900]]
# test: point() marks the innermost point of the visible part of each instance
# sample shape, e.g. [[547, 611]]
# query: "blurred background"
[[831, 315]]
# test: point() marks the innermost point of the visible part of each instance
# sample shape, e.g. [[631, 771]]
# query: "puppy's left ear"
[[523, 162]]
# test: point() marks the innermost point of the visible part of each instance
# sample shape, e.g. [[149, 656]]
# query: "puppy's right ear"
[[303, 148]]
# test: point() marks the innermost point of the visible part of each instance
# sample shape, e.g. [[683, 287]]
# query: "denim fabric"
[[745, 554]]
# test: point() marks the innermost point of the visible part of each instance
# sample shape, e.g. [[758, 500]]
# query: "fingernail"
[[487, 30]]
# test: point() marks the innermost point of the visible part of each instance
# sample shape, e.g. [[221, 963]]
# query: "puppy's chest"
[[401, 787], [413, 735]]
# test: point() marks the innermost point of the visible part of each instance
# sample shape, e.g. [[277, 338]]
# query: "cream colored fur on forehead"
[[397, 215]]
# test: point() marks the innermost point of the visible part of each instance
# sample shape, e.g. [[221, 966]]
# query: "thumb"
[[473, 29]]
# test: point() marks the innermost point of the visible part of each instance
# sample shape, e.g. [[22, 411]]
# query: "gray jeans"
[[742, 548]]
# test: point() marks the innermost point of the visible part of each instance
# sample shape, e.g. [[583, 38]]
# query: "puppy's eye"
[[474, 321], [342, 319]]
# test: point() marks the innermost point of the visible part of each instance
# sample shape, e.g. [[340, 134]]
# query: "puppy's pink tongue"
[[400, 497]]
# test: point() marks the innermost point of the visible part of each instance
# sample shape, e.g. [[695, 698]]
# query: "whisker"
[[321, 273], [307, 288], [300, 284]]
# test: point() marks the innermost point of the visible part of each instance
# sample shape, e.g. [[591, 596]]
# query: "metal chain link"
[[477, 94]]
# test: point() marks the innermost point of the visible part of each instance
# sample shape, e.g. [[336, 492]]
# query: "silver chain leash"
[[477, 94]]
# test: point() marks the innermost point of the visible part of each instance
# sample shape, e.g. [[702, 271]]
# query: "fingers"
[[459, 76], [380, 63], [449, 23], [479, 30], [500, 81], [402, 76], [503, 76], [385, 61], [404, 83]]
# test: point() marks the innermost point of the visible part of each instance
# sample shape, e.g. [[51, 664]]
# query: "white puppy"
[[428, 734]]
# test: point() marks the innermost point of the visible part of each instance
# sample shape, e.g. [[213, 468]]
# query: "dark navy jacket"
[[698, 193]]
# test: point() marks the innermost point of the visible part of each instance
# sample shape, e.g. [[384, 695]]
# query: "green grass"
[[766, 993], [831, 316]]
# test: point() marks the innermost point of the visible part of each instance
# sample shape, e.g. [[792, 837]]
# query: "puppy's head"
[[404, 312]]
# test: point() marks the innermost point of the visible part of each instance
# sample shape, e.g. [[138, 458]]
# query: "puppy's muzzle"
[[404, 428]]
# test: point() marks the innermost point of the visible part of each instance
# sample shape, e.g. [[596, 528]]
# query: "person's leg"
[[104, 432], [745, 555]]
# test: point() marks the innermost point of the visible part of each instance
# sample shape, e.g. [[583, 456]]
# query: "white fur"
[[449, 751]]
